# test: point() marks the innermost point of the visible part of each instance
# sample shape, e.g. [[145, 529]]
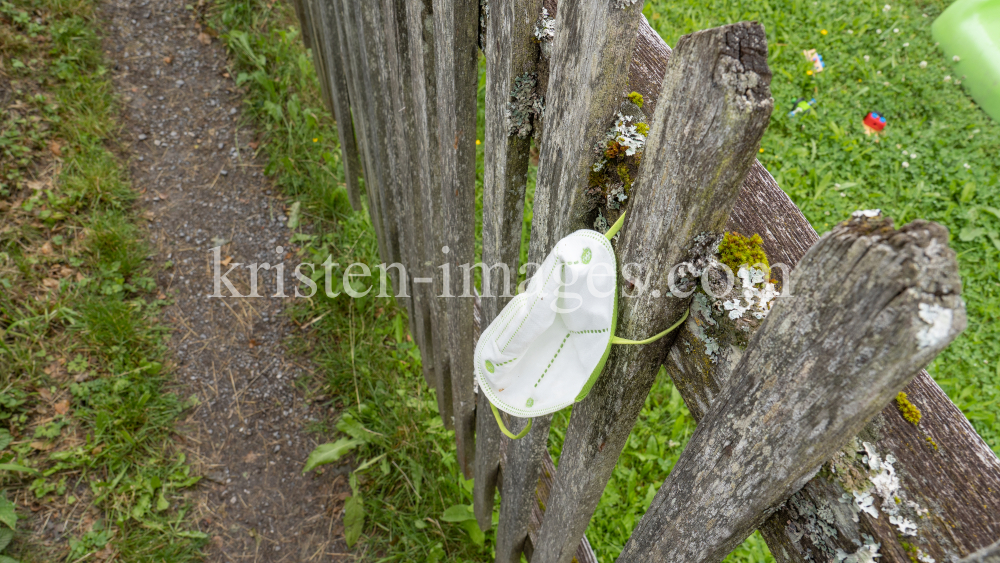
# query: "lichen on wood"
[[909, 411], [795, 397], [526, 105]]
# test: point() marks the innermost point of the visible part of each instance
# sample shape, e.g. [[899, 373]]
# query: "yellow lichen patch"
[[931, 442], [636, 98], [909, 411], [642, 128], [736, 250]]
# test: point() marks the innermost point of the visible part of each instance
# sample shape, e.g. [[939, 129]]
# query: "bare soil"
[[192, 157]]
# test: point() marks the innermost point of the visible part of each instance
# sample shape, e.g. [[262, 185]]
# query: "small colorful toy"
[[874, 123], [816, 58], [801, 106]]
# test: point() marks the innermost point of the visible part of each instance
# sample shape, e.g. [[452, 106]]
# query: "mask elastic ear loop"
[[508, 433], [616, 340], [616, 227]]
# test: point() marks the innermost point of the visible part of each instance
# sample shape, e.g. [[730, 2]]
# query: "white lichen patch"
[[868, 553], [545, 27], [885, 483], [916, 508], [865, 502], [752, 298], [939, 318], [924, 557], [628, 135], [601, 224], [622, 4], [905, 526], [866, 213], [525, 108], [616, 195]]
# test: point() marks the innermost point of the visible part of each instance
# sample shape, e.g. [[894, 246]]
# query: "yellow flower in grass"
[[809, 72], [823, 31], [315, 139]]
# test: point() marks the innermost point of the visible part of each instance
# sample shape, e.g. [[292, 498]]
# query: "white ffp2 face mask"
[[549, 344]]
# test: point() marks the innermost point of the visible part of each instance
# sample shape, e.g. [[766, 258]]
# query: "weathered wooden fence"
[[799, 434]]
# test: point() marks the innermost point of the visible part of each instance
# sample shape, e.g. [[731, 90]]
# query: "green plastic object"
[[970, 30]]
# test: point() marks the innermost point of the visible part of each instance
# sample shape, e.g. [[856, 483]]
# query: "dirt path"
[[194, 164]]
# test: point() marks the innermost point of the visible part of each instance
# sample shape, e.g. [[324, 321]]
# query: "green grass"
[[85, 416], [936, 161], [410, 488]]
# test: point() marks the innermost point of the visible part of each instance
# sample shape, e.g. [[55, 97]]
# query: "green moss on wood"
[[736, 250], [636, 98], [909, 411]]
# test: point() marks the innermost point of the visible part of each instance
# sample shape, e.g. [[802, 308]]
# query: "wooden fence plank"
[[310, 19], [584, 552], [698, 152], [868, 308], [989, 554], [511, 53], [304, 24], [360, 87], [959, 478], [379, 116], [422, 73], [456, 27], [588, 77], [405, 165], [336, 84]]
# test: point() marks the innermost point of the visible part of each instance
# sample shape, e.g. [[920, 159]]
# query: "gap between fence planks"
[[511, 53], [868, 308]]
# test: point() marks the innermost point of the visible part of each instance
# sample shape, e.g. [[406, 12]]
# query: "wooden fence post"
[[511, 54], [456, 27], [700, 146], [304, 24], [869, 306], [587, 78]]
